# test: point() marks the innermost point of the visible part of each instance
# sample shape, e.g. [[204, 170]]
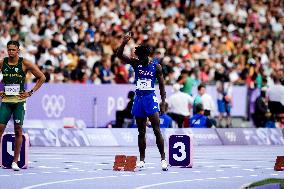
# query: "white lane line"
[[113, 176], [31, 173], [46, 167], [248, 169], [209, 166], [141, 174], [151, 167], [125, 175], [162, 183], [69, 165], [235, 167], [253, 175], [181, 181], [156, 173], [205, 162], [196, 171], [75, 168], [173, 172], [65, 181], [47, 172], [18, 174], [62, 171], [219, 170], [223, 165], [4, 175], [99, 169], [211, 178], [92, 171], [274, 174], [80, 170]]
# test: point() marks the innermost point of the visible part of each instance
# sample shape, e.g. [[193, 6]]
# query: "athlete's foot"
[[140, 164], [15, 166], [164, 165]]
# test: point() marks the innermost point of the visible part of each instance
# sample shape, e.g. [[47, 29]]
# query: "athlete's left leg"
[[18, 116], [155, 121], [18, 141]]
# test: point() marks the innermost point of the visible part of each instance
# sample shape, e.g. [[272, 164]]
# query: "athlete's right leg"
[[141, 124]]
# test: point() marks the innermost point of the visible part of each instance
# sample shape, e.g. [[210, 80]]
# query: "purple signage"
[[251, 136], [96, 105], [128, 137], [201, 136]]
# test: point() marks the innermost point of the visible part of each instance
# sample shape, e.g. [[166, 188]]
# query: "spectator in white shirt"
[[207, 102], [275, 95], [179, 105]]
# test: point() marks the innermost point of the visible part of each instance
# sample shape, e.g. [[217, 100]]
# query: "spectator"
[[275, 95], [206, 100], [126, 112], [262, 112], [179, 105], [239, 40], [224, 102], [199, 120]]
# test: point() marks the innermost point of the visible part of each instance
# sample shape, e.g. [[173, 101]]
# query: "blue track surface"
[[217, 167]]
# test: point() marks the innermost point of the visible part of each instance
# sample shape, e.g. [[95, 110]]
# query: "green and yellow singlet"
[[14, 80]]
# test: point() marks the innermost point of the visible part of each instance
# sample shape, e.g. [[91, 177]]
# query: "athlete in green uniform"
[[14, 70]]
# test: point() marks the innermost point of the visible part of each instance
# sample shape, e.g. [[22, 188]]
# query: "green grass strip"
[[268, 181]]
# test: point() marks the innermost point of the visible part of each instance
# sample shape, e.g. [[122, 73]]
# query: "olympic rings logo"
[[53, 105]]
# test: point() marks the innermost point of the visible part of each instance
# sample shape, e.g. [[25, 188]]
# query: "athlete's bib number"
[[12, 89], [144, 84]]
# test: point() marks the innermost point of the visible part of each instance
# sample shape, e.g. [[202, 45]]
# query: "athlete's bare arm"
[[119, 53], [1, 64], [28, 66], [161, 87], [2, 94]]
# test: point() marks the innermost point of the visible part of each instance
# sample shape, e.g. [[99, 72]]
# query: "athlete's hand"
[[162, 107], [2, 94], [127, 37], [24, 95]]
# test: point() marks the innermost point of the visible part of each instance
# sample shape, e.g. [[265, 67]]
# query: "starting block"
[[180, 151], [124, 163], [279, 163], [7, 151]]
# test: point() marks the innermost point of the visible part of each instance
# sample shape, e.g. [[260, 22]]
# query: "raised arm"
[[28, 66], [119, 53], [161, 87]]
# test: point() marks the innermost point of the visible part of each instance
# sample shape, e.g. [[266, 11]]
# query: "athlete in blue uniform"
[[145, 102]]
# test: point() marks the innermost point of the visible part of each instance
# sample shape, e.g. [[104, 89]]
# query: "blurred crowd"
[[75, 40]]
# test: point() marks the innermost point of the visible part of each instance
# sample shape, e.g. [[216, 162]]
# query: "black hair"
[[16, 43], [142, 51], [199, 107], [131, 94], [200, 87]]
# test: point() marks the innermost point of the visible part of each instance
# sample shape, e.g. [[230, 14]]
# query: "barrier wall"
[[96, 105], [128, 137]]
